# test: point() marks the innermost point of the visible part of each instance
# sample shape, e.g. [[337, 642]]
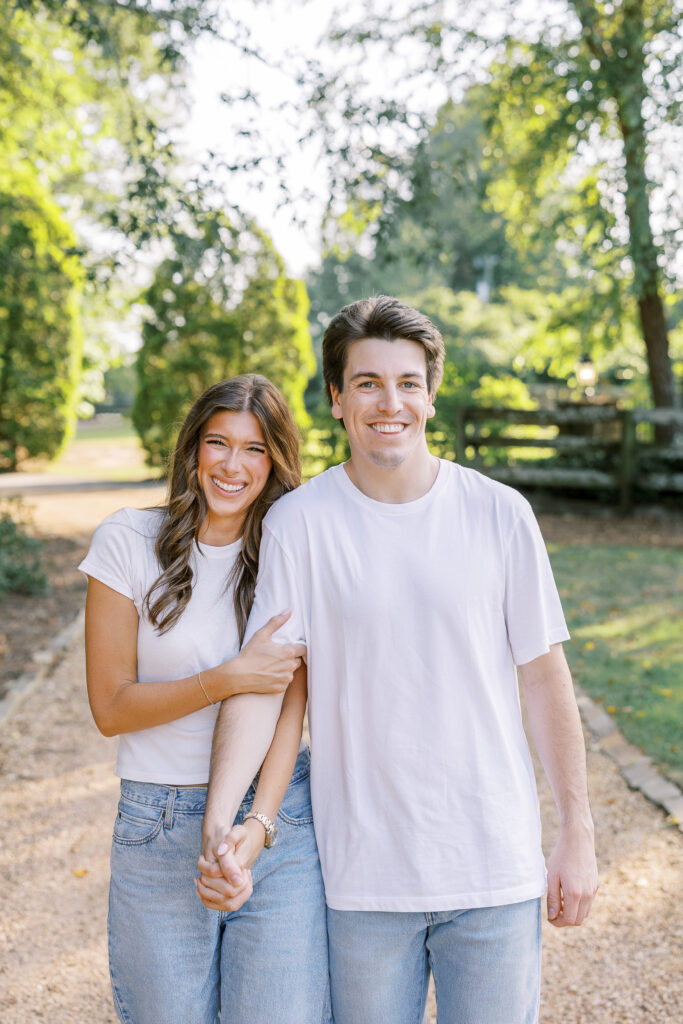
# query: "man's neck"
[[394, 485]]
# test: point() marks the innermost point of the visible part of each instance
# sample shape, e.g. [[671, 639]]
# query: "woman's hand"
[[264, 665], [225, 883]]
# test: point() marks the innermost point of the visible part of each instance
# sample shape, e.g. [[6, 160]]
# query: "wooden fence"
[[629, 462]]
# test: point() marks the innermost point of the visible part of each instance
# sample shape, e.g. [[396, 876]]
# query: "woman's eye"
[[257, 451]]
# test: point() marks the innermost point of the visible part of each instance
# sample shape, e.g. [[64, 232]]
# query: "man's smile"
[[388, 428]]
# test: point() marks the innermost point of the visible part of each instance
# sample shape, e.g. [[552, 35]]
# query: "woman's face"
[[233, 468]]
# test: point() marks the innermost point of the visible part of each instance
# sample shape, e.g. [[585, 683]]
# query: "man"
[[420, 589]]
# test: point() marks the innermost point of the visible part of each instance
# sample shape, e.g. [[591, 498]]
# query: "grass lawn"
[[105, 450], [623, 608]]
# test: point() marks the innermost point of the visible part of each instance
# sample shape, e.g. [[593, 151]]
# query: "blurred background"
[[190, 189]]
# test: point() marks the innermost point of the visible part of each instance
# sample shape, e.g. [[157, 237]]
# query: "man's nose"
[[390, 399]]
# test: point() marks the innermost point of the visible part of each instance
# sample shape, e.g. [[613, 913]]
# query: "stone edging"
[[43, 662], [637, 768]]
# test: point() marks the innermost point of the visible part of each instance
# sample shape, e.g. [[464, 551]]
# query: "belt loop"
[[168, 813]]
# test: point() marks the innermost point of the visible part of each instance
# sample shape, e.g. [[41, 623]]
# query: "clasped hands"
[[225, 881]]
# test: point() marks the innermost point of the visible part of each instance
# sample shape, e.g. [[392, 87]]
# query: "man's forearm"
[[243, 734], [555, 727]]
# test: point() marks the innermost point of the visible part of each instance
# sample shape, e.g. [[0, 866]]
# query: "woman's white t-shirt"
[[122, 556]]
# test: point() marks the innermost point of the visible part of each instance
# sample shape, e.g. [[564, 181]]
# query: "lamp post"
[[586, 375]]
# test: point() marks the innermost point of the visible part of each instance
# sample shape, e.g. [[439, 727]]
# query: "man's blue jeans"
[[486, 965], [172, 961]]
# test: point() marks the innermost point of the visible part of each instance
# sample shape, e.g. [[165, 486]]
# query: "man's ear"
[[431, 411], [336, 404]]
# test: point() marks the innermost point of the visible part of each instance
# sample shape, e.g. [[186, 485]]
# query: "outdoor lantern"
[[586, 373]]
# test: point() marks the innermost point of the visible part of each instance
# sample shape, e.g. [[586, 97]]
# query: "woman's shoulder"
[[133, 526]]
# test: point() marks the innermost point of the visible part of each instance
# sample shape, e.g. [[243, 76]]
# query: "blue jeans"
[[173, 961], [486, 965]]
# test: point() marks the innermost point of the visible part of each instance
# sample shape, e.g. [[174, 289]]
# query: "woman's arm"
[[119, 704], [226, 879]]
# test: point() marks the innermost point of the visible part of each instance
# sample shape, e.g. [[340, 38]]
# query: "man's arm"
[[225, 882], [244, 732], [555, 727]]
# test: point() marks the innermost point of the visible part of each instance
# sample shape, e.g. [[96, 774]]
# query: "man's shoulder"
[[484, 494], [306, 501]]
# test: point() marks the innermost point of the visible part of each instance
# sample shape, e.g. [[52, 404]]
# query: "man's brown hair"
[[380, 317]]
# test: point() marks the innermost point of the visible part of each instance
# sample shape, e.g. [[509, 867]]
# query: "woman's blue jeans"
[[172, 960]]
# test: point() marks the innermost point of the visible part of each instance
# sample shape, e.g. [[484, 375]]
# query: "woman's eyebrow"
[[222, 437]]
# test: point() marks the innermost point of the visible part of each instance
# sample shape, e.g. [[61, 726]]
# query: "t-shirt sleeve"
[[111, 556], [533, 612], [278, 588]]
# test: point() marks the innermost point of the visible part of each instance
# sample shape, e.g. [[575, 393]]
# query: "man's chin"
[[386, 460]]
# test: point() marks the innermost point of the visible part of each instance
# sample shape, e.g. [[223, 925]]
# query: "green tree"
[[89, 96], [578, 99], [40, 333], [603, 87], [222, 305]]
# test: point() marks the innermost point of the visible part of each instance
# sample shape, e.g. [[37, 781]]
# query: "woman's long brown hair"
[[186, 507]]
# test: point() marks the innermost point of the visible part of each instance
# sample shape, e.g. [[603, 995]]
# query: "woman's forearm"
[[279, 764], [121, 704]]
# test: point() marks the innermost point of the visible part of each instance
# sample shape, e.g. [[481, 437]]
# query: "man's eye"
[[410, 384], [367, 384]]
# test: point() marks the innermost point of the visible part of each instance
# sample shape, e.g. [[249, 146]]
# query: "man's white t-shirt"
[[415, 616], [122, 556]]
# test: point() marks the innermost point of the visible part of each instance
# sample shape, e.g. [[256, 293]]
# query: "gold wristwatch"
[[269, 826]]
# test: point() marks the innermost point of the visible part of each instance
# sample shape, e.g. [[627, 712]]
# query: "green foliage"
[[574, 118], [40, 334], [221, 306], [85, 125], [20, 568], [626, 651]]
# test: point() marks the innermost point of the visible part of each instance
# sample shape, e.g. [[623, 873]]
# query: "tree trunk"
[[630, 95]]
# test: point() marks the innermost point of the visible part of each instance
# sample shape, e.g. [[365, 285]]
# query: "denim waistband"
[[193, 798]]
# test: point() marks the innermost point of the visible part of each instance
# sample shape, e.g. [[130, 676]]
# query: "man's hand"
[[572, 876], [225, 882]]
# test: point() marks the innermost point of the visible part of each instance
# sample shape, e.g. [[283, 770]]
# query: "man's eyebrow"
[[377, 376]]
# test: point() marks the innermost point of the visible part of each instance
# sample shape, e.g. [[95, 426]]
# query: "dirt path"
[[57, 802]]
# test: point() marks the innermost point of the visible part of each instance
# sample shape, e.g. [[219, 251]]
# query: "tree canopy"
[[220, 306], [580, 105]]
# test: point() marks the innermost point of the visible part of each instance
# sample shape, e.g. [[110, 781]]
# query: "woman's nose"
[[231, 460]]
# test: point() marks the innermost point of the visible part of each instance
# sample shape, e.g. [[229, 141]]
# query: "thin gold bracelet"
[[199, 677]]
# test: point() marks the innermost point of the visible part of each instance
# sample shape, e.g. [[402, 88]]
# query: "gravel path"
[[56, 807]]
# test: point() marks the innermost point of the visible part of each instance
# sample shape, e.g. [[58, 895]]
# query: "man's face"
[[384, 403]]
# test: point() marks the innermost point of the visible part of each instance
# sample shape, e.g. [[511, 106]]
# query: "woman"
[[169, 593]]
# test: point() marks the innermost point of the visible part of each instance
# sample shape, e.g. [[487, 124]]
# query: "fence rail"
[[633, 465]]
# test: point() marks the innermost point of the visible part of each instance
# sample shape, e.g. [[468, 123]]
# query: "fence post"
[[627, 461]]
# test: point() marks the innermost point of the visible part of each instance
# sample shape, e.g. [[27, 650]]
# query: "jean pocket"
[[296, 807], [136, 823]]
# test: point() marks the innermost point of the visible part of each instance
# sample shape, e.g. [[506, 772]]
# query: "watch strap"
[[269, 826]]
